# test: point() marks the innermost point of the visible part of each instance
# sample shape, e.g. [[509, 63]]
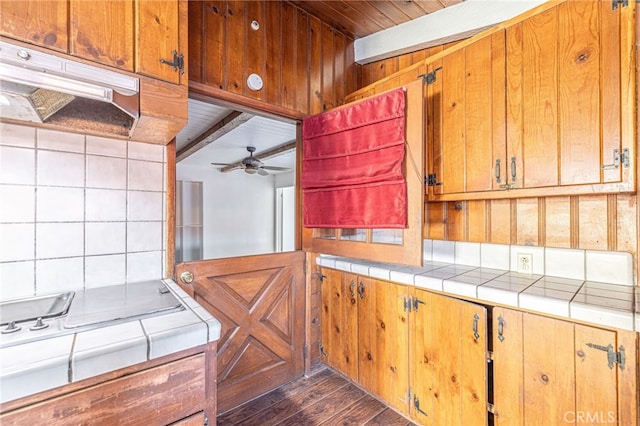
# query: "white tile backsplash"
[[105, 238], [17, 279], [107, 147], [106, 205], [100, 271], [18, 203], [60, 169], [59, 141], [60, 204], [443, 251], [65, 224], [609, 267], [145, 205], [12, 135], [17, 165], [495, 256], [145, 176], [467, 253], [59, 240], [567, 263], [55, 275], [17, 241], [106, 172]]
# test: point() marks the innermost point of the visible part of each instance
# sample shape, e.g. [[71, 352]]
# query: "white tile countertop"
[[564, 283], [77, 354]]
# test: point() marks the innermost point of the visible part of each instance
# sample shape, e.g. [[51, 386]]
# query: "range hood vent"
[[46, 89]]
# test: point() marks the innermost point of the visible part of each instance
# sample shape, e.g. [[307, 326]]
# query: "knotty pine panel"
[[306, 65]]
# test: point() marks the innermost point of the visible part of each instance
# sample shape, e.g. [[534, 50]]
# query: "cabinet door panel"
[[92, 34], [40, 22], [579, 94], [595, 381], [508, 389], [157, 38], [549, 378], [421, 358]]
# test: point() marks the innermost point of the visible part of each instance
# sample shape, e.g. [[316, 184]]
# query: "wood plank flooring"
[[324, 398]]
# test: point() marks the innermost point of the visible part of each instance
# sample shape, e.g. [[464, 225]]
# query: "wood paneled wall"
[[306, 65], [596, 222]]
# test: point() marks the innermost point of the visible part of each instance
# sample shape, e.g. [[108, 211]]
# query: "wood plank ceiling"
[[360, 18]]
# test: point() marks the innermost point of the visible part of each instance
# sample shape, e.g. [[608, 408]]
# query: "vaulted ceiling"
[[360, 18]]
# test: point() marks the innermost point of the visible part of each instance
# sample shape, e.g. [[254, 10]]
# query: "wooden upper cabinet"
[[102, 31], [138, 36], [542, 106], [43, 23], [158, 52]]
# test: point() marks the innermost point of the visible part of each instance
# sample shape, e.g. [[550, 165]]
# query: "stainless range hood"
[[43, 88]]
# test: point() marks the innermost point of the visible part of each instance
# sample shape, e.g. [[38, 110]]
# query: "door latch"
[[177, 63], [612, 356]]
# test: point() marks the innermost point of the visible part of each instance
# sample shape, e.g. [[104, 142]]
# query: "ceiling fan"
[[251, 165]]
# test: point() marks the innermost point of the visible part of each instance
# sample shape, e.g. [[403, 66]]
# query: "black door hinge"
[[617, 3], [177, 63], [613, 357], [432, 180], [429, 77]]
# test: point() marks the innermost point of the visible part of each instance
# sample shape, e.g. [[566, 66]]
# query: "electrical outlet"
[[525, 263]]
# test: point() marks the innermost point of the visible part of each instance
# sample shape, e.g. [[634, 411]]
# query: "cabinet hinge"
[[305, 351], [417, 302], [407, 304], [416, 405], [432, 180], [177, 63], [489, 356], [618, 159], [429, 77], [491, 408], [613, 357], [617, 3], [322, 352], [321, 277]]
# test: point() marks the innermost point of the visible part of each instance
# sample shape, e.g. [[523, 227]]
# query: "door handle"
[[474, 327], [498, 179], [361, 290], [186, 277], [513, 169], [351, 287]]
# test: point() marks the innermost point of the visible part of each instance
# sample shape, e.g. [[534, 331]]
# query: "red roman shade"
[[352, 174]]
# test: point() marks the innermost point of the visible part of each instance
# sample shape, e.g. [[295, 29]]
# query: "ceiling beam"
[[219, 129], [273, 152], [450, 24]]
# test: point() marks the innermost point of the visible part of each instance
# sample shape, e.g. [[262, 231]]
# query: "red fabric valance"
[[352, 174]]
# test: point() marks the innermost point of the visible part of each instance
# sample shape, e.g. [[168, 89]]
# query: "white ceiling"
[[259, 132]]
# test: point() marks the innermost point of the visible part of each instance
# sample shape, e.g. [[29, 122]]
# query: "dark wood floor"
[[325, 398]]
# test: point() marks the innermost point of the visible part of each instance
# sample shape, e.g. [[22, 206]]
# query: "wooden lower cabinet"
[[365, 334], [550, 371], [180, 390], [448, 348], [423, 354]]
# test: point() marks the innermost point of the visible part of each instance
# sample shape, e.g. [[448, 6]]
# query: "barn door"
[[259, 300]]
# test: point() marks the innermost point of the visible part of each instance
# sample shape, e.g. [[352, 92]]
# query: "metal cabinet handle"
[[513, 169], [361, 290], [186, 277], [474, 327], [351, 287], [501, 328], [498, 179]]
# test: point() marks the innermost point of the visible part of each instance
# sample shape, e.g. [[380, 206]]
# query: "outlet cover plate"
[[525, 263]]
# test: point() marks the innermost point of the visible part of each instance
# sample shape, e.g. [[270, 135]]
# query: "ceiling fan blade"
[[274, 168], [262, 172], [220, 164]]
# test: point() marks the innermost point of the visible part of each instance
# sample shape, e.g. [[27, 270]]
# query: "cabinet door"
[[157, 38], [39, 22], [466, 109], [384, 341], [570, 73], [448, 360], [339, 318], [549, 371], [103, 31]]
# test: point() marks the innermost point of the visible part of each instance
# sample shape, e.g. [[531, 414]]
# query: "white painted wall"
[[238, 211]]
